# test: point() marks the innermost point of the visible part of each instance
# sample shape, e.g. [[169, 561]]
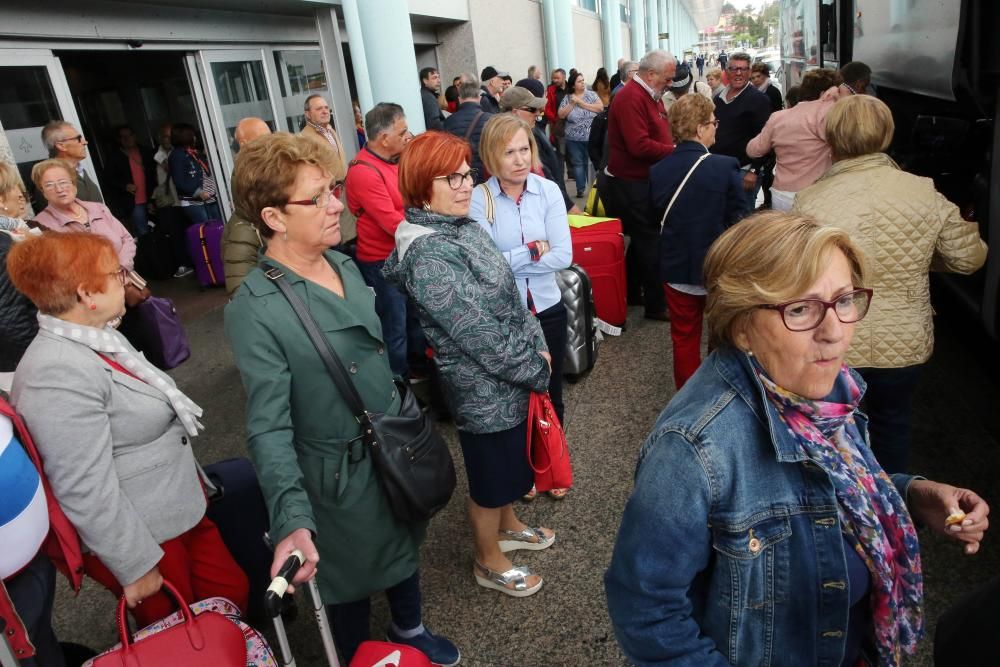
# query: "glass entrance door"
[[37, 92]]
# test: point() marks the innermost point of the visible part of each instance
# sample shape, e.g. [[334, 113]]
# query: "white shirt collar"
[[638, 79]]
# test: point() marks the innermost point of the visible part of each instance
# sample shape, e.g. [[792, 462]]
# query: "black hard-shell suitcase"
[[239, 511], [581, 321]]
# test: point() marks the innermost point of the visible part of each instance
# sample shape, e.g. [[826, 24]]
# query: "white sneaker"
[[183, 271]]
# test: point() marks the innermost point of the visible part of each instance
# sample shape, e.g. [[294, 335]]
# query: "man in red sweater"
[[373, 196], [639, 137]]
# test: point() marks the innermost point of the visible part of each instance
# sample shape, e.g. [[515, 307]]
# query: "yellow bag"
[[594, 204]]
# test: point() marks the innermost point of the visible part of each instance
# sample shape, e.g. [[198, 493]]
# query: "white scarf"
[[111, 343]]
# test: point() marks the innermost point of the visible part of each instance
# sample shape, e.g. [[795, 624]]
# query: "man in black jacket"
[[430, 86], [492, 88], [760, 77], [468, 121], [742, 111], [131, 178]]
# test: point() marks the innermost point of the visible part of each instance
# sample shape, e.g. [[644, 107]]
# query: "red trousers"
[[685, 331], [197, 563]]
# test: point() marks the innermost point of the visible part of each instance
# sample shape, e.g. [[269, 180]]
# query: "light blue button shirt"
[[541, 216]]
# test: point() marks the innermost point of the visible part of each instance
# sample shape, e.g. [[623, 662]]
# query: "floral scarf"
[[872, 514]]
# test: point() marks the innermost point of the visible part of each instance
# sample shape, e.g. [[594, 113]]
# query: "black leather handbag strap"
[[334, 366]]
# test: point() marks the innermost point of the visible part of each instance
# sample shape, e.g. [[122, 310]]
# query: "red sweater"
[[638, 133], [373, 196]]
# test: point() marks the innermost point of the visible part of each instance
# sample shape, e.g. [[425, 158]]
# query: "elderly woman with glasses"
[[115, 434], [56, 179], [489, 349], [762, 531], [907, 229], [321, 490]]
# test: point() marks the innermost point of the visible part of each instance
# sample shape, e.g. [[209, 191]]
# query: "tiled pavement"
[[608, 416]]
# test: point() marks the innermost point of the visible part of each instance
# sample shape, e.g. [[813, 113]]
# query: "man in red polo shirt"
[[639, 137], [373, 196]]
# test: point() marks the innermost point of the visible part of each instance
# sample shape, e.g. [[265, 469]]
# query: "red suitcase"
[[599, 247]]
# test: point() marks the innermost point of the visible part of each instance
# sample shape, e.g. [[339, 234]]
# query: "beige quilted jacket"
[[905, 228]]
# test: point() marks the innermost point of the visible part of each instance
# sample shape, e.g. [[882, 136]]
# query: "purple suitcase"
[[204, 245], [162, 335]]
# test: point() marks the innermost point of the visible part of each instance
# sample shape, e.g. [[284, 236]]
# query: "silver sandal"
[[487, 578], [532, 539]]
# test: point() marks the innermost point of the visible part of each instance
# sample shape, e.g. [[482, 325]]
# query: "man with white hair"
[[627, 72], [638, 137]]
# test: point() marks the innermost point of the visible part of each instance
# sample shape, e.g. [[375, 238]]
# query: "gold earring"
[[427, 206]]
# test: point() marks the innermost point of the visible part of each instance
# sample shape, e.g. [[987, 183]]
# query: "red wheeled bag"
[[204, 245], [599, 247]]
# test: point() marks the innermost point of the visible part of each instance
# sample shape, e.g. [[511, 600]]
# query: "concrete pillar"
[[652, 26], [616, 35], [664, 26], [328, 27], [609, 23], [392, 62], [551, 37], [637, 24], [565, 41], [359, 61]]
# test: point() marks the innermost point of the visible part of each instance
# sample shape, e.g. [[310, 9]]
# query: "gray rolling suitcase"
[[582, 333]]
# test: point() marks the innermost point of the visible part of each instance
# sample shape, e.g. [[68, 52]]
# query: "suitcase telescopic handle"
[[279, 585]]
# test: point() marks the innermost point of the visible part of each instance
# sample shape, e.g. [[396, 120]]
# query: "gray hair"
[[382, 117], [52, 134], [468, 86], [626, 66], [741, 55], [305, 107], [655, 60]]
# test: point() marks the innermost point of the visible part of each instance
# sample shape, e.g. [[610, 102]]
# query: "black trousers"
[[629, 201], [553, 321], [32, 591], [889, 404]]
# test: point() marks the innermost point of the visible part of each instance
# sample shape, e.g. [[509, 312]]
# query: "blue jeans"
[[140, 219], [752, 195], [400, 327], [888, 402], [350, 620], [578, 158], [200, 213]]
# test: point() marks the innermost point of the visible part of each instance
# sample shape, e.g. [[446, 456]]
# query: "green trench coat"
[[298, 428]]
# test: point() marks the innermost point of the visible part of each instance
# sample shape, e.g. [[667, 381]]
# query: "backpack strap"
[[357, 161], [472, 125], [491, 211]]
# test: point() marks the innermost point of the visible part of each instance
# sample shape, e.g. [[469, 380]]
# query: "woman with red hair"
[[489, 349], [114, 432]]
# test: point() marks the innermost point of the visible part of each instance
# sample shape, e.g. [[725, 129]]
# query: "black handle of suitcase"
[[272, 603]]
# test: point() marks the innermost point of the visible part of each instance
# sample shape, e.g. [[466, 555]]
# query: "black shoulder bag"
[[412, 460]]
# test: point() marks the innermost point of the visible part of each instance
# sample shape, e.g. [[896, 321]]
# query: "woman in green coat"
[[321, 489]]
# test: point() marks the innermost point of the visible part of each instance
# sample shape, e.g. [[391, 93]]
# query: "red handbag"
[[548, 454], [206, 640]]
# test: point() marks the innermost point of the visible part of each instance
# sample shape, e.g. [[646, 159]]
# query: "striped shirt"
[[24, 518]]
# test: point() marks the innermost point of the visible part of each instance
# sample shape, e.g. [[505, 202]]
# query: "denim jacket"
[[730, 549]]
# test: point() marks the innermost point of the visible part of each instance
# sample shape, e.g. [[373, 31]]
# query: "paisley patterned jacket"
[[486, 343]]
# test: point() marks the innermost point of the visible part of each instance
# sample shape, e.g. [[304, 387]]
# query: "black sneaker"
[[440, 650]]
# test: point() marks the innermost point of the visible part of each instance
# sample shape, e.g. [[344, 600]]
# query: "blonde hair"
[[497, 133], [716, 72], [687, 114], [266, 169], [859, 125], [9, 178], [768, 258], [41, 167]]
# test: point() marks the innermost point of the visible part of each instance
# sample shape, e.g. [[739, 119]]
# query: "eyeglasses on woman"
[[807, 314]]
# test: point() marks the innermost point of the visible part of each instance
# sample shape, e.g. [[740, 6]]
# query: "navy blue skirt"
[[496, 465]]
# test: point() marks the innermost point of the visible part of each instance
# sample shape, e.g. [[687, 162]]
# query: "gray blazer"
[[118, 459]]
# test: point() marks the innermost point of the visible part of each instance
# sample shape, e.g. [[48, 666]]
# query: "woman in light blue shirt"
[[525, 215]]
